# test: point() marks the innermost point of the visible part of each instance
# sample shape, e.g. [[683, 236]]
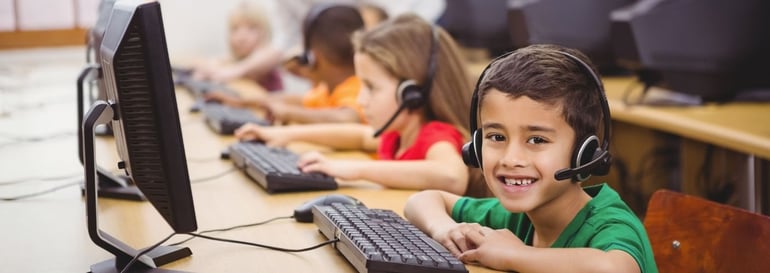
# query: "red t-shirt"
[[430, 133]]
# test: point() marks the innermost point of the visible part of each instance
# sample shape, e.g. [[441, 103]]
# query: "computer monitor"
[[95, 36], [478, 24], [141, 105], [578, 24], [715, 50], [110, 185]]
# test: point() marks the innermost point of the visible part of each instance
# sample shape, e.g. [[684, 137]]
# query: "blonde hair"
[[254, 13], [402, 46]]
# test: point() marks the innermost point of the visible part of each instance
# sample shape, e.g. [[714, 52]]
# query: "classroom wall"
[[196, 27], [193, 27]]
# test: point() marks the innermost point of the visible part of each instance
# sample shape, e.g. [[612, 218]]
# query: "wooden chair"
[[691, 234]]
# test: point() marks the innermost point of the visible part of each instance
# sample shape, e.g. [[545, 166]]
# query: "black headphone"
[[306, 58], [587, 158], [409, 94]]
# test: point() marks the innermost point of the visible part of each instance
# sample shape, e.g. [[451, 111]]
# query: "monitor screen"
[[145, 120]]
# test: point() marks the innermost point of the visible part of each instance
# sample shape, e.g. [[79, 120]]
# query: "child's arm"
[[502, 250], [442, 169], [297, 113], [430, 211], [259, 62], [339, 136]]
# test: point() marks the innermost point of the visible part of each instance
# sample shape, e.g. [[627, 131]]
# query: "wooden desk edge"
[[691, 128]]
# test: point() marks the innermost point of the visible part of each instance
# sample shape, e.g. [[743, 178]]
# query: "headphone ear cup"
[[306, 58], [471, 151], [586, 152], [409, 94]]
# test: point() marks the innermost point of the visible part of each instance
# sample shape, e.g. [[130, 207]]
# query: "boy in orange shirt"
[[328, 63]]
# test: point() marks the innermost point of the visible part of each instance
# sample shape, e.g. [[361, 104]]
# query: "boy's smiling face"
[[524, 143]]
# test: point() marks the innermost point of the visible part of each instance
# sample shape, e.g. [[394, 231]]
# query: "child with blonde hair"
[[415, 93], [248, 31]]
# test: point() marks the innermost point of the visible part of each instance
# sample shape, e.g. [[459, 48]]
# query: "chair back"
[[692, 234]]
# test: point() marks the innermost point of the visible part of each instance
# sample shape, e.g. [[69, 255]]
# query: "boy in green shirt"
[[539, 109]]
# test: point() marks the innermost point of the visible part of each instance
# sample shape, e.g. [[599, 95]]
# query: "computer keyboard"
[[275, 168], [376, 240], [224, 119]]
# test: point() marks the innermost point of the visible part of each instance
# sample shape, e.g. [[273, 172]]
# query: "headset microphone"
[[599, 165], [392, 118]]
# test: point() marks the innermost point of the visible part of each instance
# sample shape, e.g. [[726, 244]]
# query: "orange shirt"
[[344, 95]]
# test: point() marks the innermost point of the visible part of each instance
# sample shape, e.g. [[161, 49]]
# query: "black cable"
[[16, 139], [23, 196], [264, 246], [627, 93], [204, 159], [212, 177], [133, 260], [35, 138], [37, 105], [233, 227], [30, 179]]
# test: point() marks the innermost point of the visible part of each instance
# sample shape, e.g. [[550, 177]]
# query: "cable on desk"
[[133, 260], [23, 196], [37, 105], [264, 246], [18, 139], [30, 179], [627, 93], [204, 159], [233, 227], [215, 176]]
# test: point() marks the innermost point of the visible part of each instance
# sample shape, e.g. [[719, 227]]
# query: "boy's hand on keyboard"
[[271, 136], [454, 237], [279, 111], [494, 248]]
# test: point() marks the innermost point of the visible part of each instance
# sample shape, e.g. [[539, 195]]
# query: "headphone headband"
[[432, 62], [309, 23]]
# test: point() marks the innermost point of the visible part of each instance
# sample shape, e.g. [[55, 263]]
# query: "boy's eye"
[[536, 140], [496, 137]]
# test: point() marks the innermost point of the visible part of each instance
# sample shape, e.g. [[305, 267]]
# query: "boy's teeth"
[[518, 182]]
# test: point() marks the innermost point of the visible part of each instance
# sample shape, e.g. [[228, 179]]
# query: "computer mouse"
[[304, 212]]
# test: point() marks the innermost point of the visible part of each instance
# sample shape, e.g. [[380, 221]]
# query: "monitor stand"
[[101, 113], [110, 185]]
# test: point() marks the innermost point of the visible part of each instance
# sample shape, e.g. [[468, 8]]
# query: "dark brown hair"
[[330, 33], [543, 74]]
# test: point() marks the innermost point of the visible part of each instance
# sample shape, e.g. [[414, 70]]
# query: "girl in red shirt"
[[419, 113]]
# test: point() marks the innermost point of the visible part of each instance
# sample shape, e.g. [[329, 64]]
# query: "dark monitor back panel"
[[710, 48], [579, 24], [137, 74]]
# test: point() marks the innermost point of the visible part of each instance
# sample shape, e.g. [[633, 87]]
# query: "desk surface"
[[48, 234], [737, 126]]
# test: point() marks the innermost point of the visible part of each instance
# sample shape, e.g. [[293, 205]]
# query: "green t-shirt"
[[605, 223]]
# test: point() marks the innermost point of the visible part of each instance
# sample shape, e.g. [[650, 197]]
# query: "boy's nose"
[[514, 156]]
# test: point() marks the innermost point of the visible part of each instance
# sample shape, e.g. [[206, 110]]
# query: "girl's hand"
[[272, 136], [342, 169], [218, 96]]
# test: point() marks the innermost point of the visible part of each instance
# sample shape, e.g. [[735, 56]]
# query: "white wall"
[[196, 28]]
